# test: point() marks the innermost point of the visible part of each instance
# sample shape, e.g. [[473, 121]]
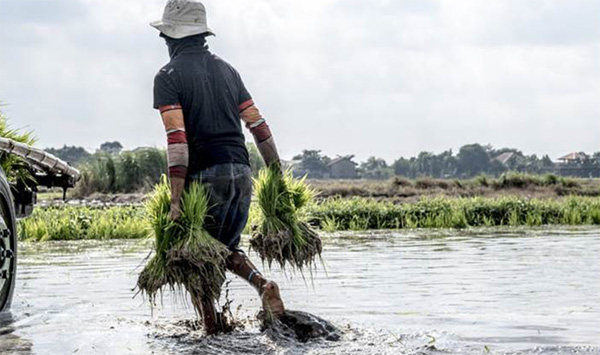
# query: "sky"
[[386, 78]]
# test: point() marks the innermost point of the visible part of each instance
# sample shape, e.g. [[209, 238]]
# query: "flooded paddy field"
[[498, 291]]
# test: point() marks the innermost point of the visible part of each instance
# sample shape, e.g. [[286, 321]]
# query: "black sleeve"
[[165, 90], [244, 95]]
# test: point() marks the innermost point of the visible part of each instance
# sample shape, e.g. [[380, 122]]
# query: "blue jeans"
[[229, 188]]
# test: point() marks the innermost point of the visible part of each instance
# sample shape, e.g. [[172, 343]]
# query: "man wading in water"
[[202, 101]]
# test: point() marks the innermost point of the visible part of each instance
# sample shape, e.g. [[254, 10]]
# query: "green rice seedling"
[[77, 223], [100, 223], [185, 255], [533, 219], [458, 220], [352, 214], [593, 215], [359, 224], [282, 234], [329, 225]]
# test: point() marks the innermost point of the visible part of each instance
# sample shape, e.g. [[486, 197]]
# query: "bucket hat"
[[183, 18]]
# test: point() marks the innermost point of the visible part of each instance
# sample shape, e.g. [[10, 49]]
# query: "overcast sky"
[[388, 78]]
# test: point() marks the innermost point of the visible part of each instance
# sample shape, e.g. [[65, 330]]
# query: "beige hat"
[[183, 18]]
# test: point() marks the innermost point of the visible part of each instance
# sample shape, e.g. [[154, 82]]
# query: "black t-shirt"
[[210, 92]]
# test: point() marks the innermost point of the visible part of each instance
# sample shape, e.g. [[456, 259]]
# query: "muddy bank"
[[402, 190]]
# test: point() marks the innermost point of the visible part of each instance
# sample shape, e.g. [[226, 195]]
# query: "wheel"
[[8, 244]]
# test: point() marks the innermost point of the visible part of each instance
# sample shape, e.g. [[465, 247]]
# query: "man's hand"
[[177, 187], [259, 128], [175, 212]]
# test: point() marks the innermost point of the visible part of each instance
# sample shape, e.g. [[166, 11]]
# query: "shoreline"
[[103, 221]]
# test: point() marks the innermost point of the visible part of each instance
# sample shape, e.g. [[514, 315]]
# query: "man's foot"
[[271, 300]]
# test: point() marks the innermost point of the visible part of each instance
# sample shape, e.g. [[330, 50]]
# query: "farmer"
[[203, 101]]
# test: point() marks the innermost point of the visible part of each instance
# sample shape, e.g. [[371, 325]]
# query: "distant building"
[[578, 165], [572, 158], [342, 168], [505, 158]]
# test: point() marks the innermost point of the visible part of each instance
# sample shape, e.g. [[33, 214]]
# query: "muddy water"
[[425, 292]]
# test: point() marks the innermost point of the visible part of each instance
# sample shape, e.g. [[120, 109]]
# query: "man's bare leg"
[[240, 265]]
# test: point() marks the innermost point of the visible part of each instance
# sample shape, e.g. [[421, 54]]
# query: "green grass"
[[15, 168], [70, 223], [362, 214], [76, 223]]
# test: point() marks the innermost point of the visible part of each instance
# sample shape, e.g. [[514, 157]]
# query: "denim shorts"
[[229, 188]]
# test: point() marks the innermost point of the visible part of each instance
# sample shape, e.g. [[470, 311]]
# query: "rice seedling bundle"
[[282, 235], [185, 255]]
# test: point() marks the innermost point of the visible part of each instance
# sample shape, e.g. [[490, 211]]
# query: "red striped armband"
[[255, 122], [178, 153], [260, 131], [245, 105], [249, 113]]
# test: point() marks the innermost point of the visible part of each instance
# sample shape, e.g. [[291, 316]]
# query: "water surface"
[[422, 292]]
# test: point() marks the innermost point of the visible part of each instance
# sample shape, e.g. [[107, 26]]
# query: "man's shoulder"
[[223, 62], [167, 70]]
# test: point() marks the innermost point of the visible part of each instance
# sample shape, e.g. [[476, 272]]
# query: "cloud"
[[36, 12], [377, 77]]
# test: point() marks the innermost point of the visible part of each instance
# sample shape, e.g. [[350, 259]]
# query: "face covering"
[[177, 46]]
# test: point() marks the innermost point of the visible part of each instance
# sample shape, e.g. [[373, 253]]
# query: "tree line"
[[470, 161], [111, 169]]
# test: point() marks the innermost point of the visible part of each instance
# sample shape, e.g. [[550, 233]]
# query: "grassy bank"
[[71, 223]]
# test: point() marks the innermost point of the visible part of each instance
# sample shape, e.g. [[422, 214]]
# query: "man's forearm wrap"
[[265, 142], [178, 153], [259, 128], [261, 132], [250, 114], [268, 150]]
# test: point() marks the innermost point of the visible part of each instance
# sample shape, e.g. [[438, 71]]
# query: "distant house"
[[342, 168], [505, 158], [577, 164], [572, 158]]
